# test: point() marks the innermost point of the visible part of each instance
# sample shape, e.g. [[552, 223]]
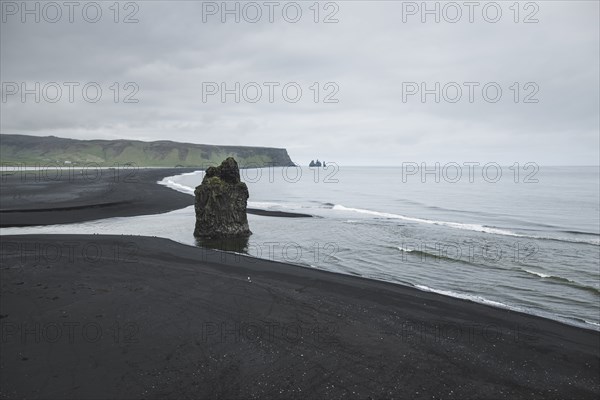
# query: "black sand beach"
[[60, 197], [67, 196], [138, 317]]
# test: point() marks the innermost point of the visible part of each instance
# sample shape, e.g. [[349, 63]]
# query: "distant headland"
[[52, 150]]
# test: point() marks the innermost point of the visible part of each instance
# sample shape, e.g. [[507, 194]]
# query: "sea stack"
[[221, 202]]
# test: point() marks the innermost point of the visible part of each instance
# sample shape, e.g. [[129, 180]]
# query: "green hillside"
[[34, 150]]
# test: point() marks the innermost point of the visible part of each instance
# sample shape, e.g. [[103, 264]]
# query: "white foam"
[[456, 225], [592, 323], [537, 273], [405, 250], [170, 182], [477, 299], [177, 186], [595, 242]]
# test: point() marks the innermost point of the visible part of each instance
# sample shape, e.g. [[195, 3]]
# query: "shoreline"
[[189, 309], [79, 198], [31, 200], [141, 192], [182, 304]]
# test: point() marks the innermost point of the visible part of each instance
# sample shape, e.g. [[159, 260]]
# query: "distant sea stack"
[[221, 202]]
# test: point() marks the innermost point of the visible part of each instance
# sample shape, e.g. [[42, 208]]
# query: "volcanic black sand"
[[73, 195], [137, 317], [67, 196]]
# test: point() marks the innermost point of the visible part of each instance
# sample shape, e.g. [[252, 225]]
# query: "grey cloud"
[[369, 53]]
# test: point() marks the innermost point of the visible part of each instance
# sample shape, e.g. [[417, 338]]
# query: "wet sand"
[[94, 316], [59, 197], [68, 196], [138, 317]]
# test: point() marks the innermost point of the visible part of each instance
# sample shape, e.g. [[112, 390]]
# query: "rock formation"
[[221, 202]]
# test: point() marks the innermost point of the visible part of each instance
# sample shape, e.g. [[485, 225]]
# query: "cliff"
[[34, 150]]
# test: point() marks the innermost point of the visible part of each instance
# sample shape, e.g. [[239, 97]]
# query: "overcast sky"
[[366, 61]]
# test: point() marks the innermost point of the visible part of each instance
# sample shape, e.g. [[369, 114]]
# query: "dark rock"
[[221, 202]]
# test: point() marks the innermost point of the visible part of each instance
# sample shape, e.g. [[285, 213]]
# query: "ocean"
[[523, 237]]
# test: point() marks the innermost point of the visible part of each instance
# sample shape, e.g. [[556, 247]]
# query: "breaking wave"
[[463, 226]]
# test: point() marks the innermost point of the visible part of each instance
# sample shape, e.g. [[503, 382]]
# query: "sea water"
[[520, 237]]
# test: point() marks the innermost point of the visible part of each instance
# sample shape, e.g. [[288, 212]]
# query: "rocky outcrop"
[[221, 202]]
